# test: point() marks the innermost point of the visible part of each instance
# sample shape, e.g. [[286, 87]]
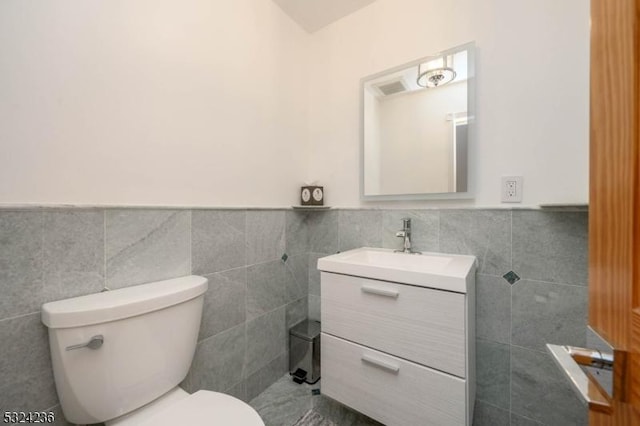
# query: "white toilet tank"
[[149, 337]]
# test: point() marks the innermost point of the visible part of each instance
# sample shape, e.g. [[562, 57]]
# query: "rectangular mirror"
[[417, 128]]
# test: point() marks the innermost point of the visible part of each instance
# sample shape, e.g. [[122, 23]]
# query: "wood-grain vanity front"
[[416, 323], [390, 389], [402, 354]]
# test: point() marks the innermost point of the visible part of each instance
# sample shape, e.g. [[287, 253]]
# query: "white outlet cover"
[[511, 189]]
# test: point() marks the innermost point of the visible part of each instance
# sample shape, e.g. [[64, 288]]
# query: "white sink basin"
[[435, 270]]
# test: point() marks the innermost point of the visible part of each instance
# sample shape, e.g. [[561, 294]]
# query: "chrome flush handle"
[[95, 343]]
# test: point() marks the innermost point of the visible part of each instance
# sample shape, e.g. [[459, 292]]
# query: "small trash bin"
[[304, 352]]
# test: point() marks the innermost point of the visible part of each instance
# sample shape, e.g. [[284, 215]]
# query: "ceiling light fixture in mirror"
[[417, 129]]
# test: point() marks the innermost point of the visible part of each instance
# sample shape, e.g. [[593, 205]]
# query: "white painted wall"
[[417, 139], [193, 102], [532, 90], [372, 157], [230, 103]]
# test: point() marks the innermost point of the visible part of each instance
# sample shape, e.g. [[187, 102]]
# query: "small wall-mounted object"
[[312, 196], [512, 189]]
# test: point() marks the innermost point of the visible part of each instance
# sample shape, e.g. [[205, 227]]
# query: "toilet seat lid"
[[206, 408]]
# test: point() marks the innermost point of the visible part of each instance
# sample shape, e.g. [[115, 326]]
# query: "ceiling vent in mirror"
[[391, 87]]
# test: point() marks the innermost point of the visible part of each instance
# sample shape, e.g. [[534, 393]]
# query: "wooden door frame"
[[614, 205]]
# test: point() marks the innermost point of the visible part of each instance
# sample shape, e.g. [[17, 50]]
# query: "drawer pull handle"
[[381, 364], [380, 291]]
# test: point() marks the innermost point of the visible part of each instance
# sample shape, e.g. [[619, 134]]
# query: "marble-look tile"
[[283, 402], [265, 235], [551, 246], [493, 373], [485, 234], [218, 240], [314, 273], [224, 302], [297, 232], [21, 261], [539, 391], [218, 362], [523, 421], [239, 391], [187, 382], [323, 231], [26, 375], [359, 228], [313, 418], [488, 415], [297, 282], [341, 415], [297, 311], [59, 416], [314, 307], [425, 229], [548, 313], [73, 253], [30, 394], [265, 376], [266, 337], [147, 245], [265, 287], [493, 308]]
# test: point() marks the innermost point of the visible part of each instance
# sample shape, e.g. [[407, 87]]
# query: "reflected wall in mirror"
[[417, 128]]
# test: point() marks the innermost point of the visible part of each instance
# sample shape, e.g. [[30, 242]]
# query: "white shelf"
[[564, 206], [311, 207]]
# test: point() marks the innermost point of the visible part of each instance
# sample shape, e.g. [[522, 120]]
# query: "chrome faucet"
[[406, 234]]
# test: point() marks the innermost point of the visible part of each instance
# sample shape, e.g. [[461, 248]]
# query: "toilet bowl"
[[119, 356]]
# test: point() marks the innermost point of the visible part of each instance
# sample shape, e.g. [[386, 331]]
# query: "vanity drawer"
[[416, 323], [389, 389]]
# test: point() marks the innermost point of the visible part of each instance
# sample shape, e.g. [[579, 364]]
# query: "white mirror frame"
[[471, 110]]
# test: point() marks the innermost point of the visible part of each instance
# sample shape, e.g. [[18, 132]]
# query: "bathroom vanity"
[[398, 335]]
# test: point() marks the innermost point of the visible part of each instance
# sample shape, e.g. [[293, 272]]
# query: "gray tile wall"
[[517, 382], [253, 295]]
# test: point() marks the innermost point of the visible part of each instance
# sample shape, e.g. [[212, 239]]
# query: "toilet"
[[119, 356]]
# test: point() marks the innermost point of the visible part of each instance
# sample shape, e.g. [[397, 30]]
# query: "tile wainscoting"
[[517, 382], [254, 296]]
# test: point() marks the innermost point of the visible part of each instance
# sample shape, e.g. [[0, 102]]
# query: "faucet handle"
[[406, 223]]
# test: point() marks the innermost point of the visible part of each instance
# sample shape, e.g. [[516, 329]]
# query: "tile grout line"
[[283, 353], [492, 404], [52, 407], [104, 247], [438, 232], [19, 316], [246, 293], [529, 418], [511, 241], [539, 351], [42, 250], [190, 241], [510, 316], [338, 233], [553, 283]]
